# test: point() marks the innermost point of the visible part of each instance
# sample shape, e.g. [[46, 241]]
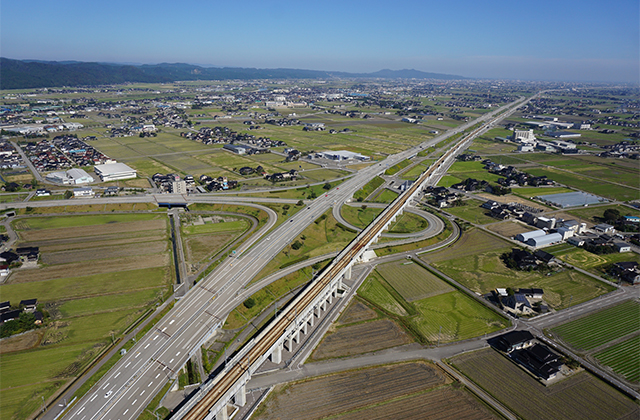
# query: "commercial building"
[[73, 176], [114, 172], [83, 192], [572, 199], [341, 155]]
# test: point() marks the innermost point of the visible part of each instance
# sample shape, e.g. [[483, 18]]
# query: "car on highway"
[[107, 394]]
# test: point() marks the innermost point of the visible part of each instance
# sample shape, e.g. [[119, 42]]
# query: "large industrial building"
[[114, 171], [73, 176], [341, 155]]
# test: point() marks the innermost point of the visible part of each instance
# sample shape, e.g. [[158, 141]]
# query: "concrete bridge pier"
[[222, 414], [276, 355], [241, 396], [347, 274], [304, 327], [312, 318], [290, 343]]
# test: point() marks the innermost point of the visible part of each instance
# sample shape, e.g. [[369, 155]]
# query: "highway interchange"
[[129, 386]]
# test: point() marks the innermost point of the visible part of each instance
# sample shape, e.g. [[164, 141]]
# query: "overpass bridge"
[[124, 391], [212, 398]]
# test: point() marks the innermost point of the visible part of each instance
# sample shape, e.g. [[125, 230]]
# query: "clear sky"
[[580, 40]]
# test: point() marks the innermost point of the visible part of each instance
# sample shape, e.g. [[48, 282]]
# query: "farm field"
[[472, 212], [595, 213], [602, 327], [596, 264], [509, 228], [357, 311], [206, 240], [360, 337], [446, 315], [586, 183], [346, 392], [581, 396], [87, 296], [474, 261], [464, 170], [622, 358], [412, 281], [441, 404]]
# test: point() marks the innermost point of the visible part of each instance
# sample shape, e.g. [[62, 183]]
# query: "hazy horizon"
[[555, 41]]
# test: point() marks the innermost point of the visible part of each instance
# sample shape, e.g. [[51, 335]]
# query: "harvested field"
[[62, 289], [581, 396], [356, 312], [89, 268], [54, 245], [199, 247], [20, 342], [471, 242], [335, 394], [361, 338], [509, 229], [94, 230], [110, 252], [412, 281], [440, 404]]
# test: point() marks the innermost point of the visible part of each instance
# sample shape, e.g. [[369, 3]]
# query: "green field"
[[474, 261], [623, 358], [91, 292], [602, 327], [405, 223], [460, 317], [446, 315], [385, 196], [413, 173], [581, 396], [412, 281], [77, 221], [596, 264], [472, 212], [237, 225]]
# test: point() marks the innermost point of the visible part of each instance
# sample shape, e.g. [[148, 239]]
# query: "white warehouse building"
[[73, 176], [525, 236], [114, 172]]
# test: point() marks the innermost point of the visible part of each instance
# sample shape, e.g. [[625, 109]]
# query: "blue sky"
[[531, 40]]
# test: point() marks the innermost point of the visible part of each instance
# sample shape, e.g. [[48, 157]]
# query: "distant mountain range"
[[23, 74]]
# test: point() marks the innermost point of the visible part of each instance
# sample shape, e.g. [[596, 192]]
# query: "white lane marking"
[[150, 383], [125, 411], [154, 338], [178, 353], [164, 329], [148, 344], [172, 321], [105, 387], [81, 410], [170, 360], [142, 393], [94, 397], [133, 393], [83, 417], [117, 374], [157, 376], [127, 365], [134, 401], [137, 355]]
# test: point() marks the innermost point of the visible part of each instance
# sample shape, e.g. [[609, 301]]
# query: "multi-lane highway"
[[129, 386]]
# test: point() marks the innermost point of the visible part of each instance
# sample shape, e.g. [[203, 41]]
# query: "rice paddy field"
[[407, 391], [429, 307], [610, 336], [580, 396], [87, 295], [474, 261]]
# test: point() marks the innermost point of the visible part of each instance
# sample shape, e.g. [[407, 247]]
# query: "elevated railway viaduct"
[[212, 398]]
